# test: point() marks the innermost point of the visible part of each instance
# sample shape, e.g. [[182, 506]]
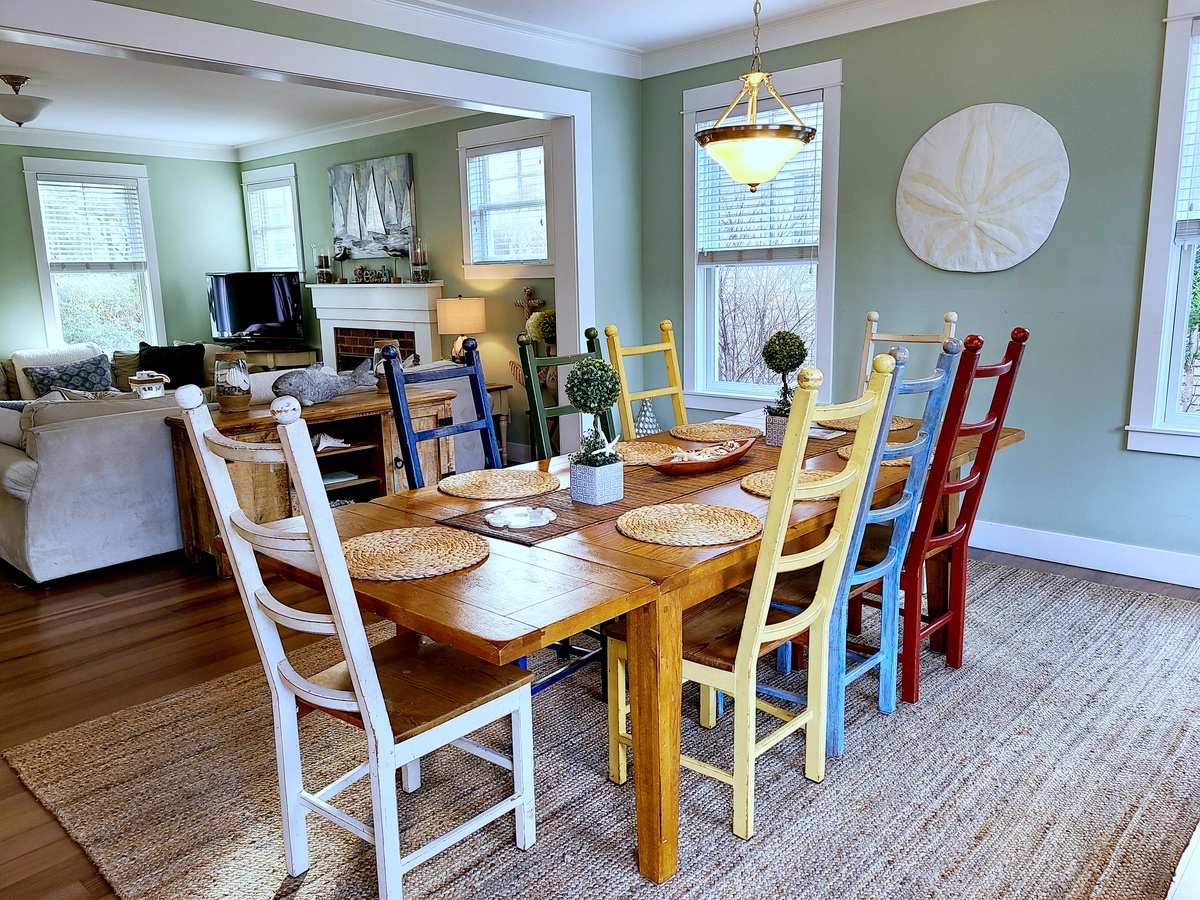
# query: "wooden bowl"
[[700, 466]]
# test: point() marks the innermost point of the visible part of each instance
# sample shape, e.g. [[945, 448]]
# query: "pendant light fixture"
[[17, 108], [754, 153]]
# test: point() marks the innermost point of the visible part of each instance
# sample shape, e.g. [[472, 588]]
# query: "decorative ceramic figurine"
[[313, 385]]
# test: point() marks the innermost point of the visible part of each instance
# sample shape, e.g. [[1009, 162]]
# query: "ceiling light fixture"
[[17, 108], [752, 153]]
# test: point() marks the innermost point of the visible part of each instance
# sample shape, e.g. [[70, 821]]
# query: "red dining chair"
[[937, 553]]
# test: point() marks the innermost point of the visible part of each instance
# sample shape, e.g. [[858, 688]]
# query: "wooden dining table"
[[535, 589]]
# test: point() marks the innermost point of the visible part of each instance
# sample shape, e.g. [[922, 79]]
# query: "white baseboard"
[[1089, 553]]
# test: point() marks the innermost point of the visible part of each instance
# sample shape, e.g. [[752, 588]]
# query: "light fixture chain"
[[757, 60]]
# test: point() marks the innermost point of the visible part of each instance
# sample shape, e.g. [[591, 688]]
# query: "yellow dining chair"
[[724, 638], [674, 388], [874, 336]]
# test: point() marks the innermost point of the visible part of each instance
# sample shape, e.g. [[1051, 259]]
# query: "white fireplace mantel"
[[395, 307]]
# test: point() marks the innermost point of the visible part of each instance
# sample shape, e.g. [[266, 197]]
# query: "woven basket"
[[499, 484], [844, 453], [688, 524], [899, 423], [639, 453], [401, 554], [763, 483], [714, 431]]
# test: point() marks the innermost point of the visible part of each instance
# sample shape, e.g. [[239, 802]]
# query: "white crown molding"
[[1089, 553], [100, 143], [348, 131], [481, 31], [811, 26]]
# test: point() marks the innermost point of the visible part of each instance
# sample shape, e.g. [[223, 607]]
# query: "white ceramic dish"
[[520, 517]]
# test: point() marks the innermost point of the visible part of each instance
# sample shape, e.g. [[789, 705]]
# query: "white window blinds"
[[271, 214], [781, 221], [1187, 201], [91, 223], [506, 199]]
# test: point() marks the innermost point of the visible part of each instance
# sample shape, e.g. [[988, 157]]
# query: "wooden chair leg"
[[708, 706], [889, 639], [618, 710], [522, 738], [937, 588], [410, 776], [745, 713], [957, 583], [816, 704], [910, 658], [835, 711], [854, 616], [386, 822], [783, 659], [291, 783]]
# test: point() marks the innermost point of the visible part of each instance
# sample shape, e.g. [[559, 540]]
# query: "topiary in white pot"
[[597, 473]]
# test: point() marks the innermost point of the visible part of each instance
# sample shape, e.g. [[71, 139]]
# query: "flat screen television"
[[256, 307]]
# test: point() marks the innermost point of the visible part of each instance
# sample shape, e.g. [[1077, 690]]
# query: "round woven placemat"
[[688, 524], [715, 431], [638, 453], [762, 483], [404, 553], [499, 484], [844, 453], [899, 423]]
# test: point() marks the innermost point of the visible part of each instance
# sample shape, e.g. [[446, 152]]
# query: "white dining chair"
[[874, 336], [409, 695]]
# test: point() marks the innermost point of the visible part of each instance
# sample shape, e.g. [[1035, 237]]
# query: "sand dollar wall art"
[[981, 190]]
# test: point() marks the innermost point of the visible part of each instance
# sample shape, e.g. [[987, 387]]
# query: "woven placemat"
[[763, 483], [688, 524], [639, 453], [899, 423], [844, 453], [499, 484], [715, 431], [401, 554]]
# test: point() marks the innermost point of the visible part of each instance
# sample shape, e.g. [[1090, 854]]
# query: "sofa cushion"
[[10, 427], [44, 357], [182, 365], [62, 393], [17, 472], [124, 364], [11, 388], [48, 411], [92, 374]]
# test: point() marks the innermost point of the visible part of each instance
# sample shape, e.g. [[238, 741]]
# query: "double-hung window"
[[504, 173], [272, 219], [1165, 411], [94, 244], [761, 262]]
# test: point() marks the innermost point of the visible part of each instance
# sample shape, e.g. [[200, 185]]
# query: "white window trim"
[[491, 136], [34, 166], [283, 173], [825, 77], [1149, 426]]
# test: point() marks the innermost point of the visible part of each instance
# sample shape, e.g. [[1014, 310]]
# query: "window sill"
[[724, 402], [1176, 442], [497, 271]]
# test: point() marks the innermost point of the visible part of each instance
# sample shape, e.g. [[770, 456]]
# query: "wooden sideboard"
[[373, 459]]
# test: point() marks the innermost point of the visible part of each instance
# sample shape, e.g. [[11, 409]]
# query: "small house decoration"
[[597, 473], [784, 353]]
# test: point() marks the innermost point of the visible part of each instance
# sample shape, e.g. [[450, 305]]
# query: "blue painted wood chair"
[[878, 566], [540, 414], [472, 370]]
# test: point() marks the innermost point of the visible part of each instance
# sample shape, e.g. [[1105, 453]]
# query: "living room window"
[[1165, 411], [94, 244], [504, 174], [272, 219], [757, 263]]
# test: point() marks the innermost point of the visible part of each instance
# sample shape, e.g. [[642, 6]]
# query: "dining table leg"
[[655, 652]]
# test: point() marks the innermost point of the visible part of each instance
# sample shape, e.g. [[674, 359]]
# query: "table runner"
[[644, 486]]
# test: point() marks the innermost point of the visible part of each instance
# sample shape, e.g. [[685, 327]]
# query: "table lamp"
[[461, 316]]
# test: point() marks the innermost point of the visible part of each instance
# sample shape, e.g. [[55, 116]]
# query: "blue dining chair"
[[472, 370], [849, 661]]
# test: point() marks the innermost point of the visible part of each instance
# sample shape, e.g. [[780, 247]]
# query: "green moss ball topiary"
[[784, 352], [593, 386]]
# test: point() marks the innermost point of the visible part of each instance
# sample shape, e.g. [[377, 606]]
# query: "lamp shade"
[[461, 315], [754, 154], [20, 108]]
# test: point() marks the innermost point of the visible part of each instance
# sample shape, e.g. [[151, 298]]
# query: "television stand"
[[282, 357]]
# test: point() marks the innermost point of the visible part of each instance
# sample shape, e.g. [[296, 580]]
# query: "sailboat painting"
[[372, 204]]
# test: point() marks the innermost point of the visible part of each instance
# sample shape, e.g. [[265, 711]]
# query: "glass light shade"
[[461, 315], [21, 108], [754, 154]]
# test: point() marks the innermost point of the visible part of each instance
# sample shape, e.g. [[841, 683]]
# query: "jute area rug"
[[1058, 763]]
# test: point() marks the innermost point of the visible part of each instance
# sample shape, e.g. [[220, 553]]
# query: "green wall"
[[199, 227], [1092, 69]]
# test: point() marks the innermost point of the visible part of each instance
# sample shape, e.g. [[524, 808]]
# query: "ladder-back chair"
[[540, 414], [874, 336], [724, 638], [674, 389], [408, 695], [878, 565], [472, 369]]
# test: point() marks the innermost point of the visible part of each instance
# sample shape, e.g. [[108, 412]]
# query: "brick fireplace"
[[365, 313], [353, 345]]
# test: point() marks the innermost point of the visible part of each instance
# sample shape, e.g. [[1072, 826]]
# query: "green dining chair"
[[540, 414]]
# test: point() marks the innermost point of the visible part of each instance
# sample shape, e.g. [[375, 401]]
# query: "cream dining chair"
[[409, 695], [674, 388], [724, 638], [874, 335]]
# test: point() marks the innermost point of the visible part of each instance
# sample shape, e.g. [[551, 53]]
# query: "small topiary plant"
[[592, 387], [543, 326], [784, 353]]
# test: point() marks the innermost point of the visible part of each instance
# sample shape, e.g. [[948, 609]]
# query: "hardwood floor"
[[94, 644]]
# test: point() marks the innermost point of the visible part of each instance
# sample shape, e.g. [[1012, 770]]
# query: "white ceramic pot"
[[775, 428], [598, 484]]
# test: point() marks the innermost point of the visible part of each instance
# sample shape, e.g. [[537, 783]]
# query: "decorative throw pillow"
[[94, 374], [183, 365], [48, 356], [210, 357], [124, 364]]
